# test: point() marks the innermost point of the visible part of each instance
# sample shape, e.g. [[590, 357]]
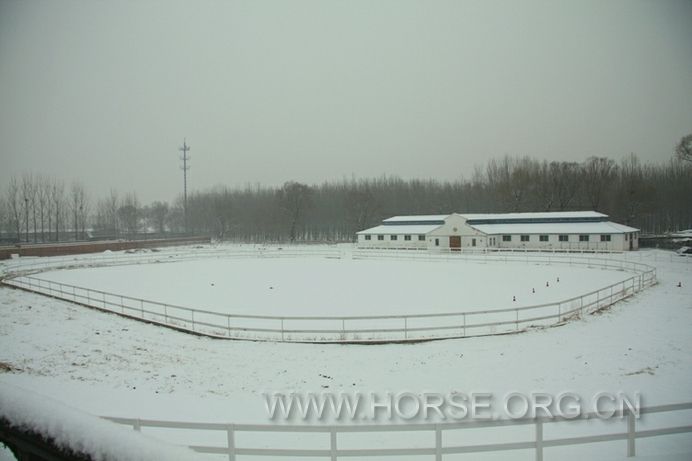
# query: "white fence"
[[441, 436], [340, 329]]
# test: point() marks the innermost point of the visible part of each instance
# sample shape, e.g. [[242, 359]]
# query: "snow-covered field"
[[107, 365], [314, 286]]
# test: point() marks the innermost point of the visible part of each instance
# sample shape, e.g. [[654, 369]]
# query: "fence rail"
[[340, 329], [436, 449]]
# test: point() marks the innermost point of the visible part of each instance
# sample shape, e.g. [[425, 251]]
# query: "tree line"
[[654, 197]]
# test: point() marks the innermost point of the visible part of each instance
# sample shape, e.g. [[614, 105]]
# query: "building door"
[[455, 242]]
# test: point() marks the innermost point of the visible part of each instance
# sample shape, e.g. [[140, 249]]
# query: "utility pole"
[[185, 158]]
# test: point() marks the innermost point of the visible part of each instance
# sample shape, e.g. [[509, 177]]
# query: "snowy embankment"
[[76, 431], [107, 365]]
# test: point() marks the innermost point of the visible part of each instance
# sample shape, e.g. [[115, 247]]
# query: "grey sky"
[[267, 91]]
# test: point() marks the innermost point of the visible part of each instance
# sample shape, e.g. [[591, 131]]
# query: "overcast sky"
[[267, 91]]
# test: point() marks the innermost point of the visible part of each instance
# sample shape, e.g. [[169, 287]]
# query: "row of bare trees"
[[41, 209], [654, 197]]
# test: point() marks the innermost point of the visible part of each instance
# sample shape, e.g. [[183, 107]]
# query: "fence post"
[[630, 434], [438, 443], [230, 440], [192, 316], [539, 440], [282, 329], [141, 308], [405, 327], [332, 443], [137, 426], [516, 311]]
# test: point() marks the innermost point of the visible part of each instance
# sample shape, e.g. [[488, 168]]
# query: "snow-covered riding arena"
[[162, 340]]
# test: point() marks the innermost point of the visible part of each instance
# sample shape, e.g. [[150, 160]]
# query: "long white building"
[[574, 230]]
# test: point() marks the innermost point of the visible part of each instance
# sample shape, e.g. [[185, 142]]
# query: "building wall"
[[387, 242], [617, 242], [456, 226]]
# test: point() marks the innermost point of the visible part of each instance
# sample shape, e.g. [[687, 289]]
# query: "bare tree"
[[361, 207], [106, 218], [598, 173], [294, 198], [129, 215], [683, 150], [5, 225], [565, 178], [80, 209], [14, 203], [42, 200], [543, 187], [57, 198], [28, 196], [158, 215]]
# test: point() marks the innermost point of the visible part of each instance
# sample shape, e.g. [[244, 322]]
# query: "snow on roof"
[[82, 432], [540, 215], [603, 227], [399, 230], [432, 217]]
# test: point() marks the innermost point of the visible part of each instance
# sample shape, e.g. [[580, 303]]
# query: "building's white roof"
[[434, 217], [603, 227], [412, 229], [540, 215]]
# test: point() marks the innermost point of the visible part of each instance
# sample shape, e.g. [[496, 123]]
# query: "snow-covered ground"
[[315, 286], [107, 365]]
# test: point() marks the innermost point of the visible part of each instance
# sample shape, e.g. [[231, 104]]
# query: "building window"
[[393, 237], [407, 237], [437, 242], [524, 238], [506, 238], [605, 238], [473, 242], [627, 237], [380, 237], [583, 238], [421, 238], [543, 238], [367, 237], [563, 238]]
